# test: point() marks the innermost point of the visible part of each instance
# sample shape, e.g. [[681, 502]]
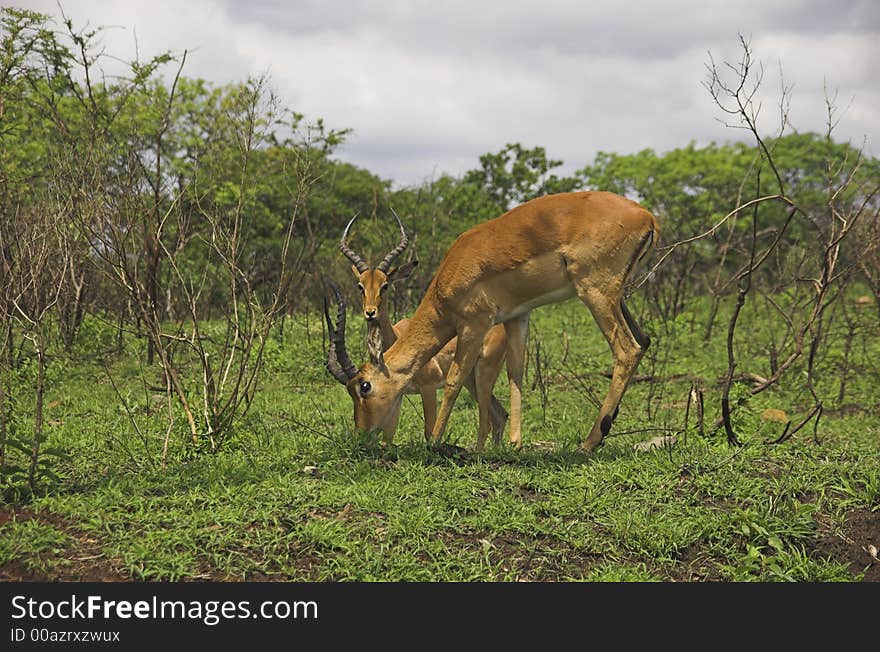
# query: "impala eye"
[[361, 288], [365, 388], [384, 287]]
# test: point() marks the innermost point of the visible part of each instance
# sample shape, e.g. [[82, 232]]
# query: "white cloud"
[[429, 86]]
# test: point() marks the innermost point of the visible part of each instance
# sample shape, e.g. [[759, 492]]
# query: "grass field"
[[294, 495]]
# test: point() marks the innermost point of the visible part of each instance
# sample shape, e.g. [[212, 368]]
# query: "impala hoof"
[[589, 446]]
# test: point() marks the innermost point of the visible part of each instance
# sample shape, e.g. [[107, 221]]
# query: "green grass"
[[696, 510], [31, 542]]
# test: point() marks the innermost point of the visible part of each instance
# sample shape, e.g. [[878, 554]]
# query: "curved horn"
[[338, 363], [404, 240], [344, 248]]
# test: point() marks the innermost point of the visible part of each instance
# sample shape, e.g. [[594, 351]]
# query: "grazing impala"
[[373, 283], [547, 250]]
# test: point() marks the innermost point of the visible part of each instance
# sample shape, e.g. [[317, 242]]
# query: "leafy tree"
[[516, 174]]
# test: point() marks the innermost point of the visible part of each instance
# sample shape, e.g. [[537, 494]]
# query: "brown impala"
[[547, 250], [373, 284]]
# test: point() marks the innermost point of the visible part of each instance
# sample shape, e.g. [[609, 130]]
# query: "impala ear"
[[375, 346], [403, 272]]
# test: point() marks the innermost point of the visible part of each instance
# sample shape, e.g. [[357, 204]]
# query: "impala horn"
[[404, 240], [356, 260], [338, 363]]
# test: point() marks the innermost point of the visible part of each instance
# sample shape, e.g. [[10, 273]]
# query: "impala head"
[[370, 387], [373, 283]]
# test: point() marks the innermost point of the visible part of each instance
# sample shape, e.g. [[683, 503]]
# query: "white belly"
[[557, 296]]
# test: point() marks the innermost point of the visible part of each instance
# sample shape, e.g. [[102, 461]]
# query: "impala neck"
[[383, 323], [424, 337]]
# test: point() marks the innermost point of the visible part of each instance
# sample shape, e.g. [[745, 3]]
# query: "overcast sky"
[[428, 86]]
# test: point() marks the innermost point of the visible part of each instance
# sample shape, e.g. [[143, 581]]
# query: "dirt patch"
[[849, 544], [693, 564], [82, 560], [8, 514]]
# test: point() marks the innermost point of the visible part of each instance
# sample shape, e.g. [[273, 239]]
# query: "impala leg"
[[429, 408], [608, 311], [483, 395], [493, 416], [517, 331], [466, 354], [488, 372], [489, 368], [480, 384], [472, 384], [498, 417]]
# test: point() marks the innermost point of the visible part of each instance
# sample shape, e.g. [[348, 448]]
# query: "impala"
[[547, 250], [373, 284]]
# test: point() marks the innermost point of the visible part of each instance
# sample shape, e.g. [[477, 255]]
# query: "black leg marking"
[[605, 426], [616, 410], [643, 340]]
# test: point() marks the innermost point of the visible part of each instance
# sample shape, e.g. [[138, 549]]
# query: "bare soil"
[[860, 530], [82, 560]]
